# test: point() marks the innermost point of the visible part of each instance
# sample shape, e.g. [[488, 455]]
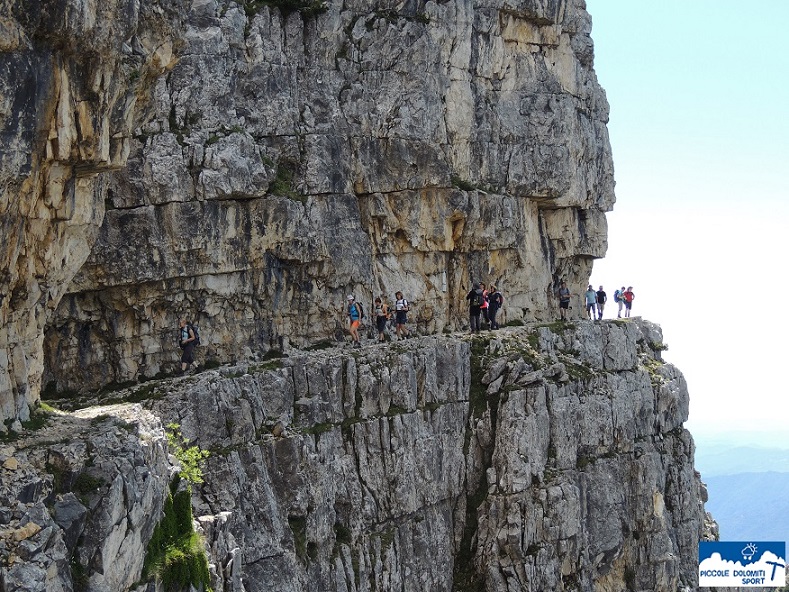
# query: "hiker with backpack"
[[381, 316], [602, 298], [495, 302], [620, 301], [628, 298], [355, 316], [564, 301], [401, 316], [475, 298], [188, 339]]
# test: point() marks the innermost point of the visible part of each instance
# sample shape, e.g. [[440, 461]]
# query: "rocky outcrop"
[[248, 166], [79, 500], [72, 89], [292, 159]]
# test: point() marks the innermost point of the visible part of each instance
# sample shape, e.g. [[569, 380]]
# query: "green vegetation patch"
[[652, 366], [189, 457], [79, 575], [211, 364], [283, 184], [579, 371], [298, 526], [342, 534], [462, 184], [144, 393], [38, 419], [465, 577], [175, 553], [86, 483], [558, 327], [325, 344]]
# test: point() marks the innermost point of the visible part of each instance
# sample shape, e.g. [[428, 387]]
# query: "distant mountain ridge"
[[716, 461], [750, 506], [747, 477]]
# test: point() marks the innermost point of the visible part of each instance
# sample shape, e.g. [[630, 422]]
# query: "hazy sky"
[[699, 126]]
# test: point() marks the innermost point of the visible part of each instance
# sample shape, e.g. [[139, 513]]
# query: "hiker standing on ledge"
[[475, 298], [602, 298], [355, 318], [628, 297], [401, 316], [187, 341], [564, 301]]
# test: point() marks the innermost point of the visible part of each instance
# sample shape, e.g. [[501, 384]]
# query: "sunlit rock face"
[[72, 89], [269, 164]]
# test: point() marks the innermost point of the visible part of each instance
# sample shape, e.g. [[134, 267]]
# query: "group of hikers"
[[595, 301], [383, 314], [483, 305]]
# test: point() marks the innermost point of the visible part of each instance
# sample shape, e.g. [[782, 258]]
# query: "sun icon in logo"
[[749, 551]]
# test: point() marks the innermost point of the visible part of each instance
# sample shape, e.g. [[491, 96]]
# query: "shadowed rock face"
[[269, 164]]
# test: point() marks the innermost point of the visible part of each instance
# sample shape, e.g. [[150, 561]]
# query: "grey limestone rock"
[[249, 168], [550, 457]]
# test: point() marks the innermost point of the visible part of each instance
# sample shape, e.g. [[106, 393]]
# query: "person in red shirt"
[[628, 298]]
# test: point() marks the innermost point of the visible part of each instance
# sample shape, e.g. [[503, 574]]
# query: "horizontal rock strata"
[[290, 160]]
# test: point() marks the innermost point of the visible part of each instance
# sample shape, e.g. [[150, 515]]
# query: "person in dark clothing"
[[381, 316], [187, 341], [475, 298], [564, 301], [602, 298], [495, 300]]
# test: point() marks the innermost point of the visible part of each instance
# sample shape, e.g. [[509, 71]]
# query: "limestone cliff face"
[[249, 168], [543, 458], [72, 79], [291, 159]]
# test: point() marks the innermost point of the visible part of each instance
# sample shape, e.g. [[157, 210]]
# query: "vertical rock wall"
[[79, 501], [544, 459], [72, 79], [374, 147]]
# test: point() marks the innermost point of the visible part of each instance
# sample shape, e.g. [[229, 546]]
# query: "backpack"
[[361, 309], [617, 296], [476, 298], [194, 331]]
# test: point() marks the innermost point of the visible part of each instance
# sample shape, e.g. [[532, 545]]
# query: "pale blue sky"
[[699, 93]]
